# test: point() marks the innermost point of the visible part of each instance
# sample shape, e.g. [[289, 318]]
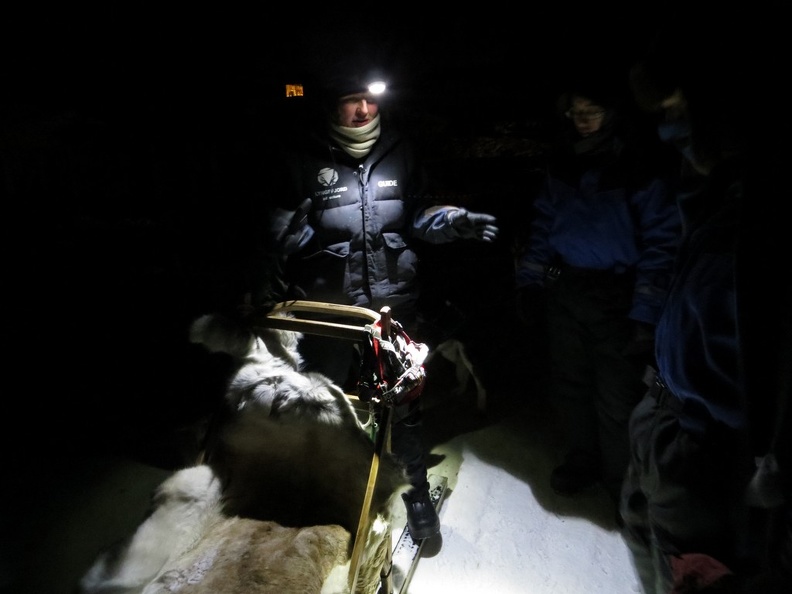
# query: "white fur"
[[290, 435], [186, 505], [221, 334], [271, 377]]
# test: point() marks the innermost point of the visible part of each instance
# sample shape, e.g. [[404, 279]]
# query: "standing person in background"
[[343, 232], [706, 501], [597, 261]]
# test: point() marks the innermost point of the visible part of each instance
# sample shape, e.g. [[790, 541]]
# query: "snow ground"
[[503, 528]]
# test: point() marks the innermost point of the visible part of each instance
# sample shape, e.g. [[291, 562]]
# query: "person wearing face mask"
[[344, 230], [593, 275], [707, 500]]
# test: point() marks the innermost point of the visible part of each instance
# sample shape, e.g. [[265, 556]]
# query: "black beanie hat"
[[347, 76]]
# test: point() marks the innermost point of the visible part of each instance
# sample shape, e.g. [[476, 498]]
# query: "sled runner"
[[392, 373], [406, 551]]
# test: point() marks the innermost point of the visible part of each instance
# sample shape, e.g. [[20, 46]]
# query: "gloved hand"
[[298, 232], [530, 304], [473, 225]]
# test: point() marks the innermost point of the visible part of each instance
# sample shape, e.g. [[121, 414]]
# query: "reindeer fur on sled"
[[277, 504]]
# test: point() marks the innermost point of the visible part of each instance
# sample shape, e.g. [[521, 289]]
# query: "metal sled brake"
[[367, 326]]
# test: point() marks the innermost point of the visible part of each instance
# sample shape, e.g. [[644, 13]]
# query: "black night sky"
[[129, 64], [131, 149]]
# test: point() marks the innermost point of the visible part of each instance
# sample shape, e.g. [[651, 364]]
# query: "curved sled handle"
[[273, 319], [351, 311]]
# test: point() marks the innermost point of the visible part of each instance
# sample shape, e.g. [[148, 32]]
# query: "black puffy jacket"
[[365, 215]]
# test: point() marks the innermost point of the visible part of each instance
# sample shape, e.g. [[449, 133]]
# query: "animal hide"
[[189, 545], [274, 506], [291, 448]]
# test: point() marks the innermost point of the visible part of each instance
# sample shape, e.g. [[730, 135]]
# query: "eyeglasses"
[[584, 116]]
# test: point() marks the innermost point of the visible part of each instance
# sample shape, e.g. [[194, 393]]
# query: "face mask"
[[677, 134]]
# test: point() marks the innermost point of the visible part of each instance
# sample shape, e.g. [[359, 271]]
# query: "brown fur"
[[243, 555], [276, 505], [187, 544], [300, 474]]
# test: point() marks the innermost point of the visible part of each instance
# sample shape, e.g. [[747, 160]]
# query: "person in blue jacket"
[[597, 260], [706, 501], [345, 229]]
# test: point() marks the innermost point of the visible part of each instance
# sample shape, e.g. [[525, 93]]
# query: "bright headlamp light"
[[377, 87]]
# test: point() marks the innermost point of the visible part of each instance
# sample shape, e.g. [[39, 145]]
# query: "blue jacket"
[[603, 212], [724, 341]]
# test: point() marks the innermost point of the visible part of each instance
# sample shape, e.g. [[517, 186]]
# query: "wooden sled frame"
[[354, 332]]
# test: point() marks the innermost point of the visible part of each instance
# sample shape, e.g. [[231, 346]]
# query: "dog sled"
[[287, 427], [394, 375]]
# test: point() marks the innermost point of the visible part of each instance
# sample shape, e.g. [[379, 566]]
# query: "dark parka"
[[365, 215], [607, 209]]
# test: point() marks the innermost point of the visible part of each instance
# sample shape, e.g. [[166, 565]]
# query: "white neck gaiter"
[[357, 142]]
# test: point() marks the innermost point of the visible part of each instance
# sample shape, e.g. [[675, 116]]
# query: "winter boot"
[[407, 445], [422, 519]]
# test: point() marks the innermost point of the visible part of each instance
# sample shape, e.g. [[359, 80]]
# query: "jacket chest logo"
[[327, 176]]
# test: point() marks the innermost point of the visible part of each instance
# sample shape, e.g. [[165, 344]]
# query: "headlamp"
[[377, 87]]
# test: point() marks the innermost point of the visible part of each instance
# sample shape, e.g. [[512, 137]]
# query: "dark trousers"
[[684, 493], [593, 383]]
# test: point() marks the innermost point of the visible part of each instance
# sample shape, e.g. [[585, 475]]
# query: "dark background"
[[133, 145]]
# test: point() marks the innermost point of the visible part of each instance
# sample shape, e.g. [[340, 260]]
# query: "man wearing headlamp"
[[345, 232]]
